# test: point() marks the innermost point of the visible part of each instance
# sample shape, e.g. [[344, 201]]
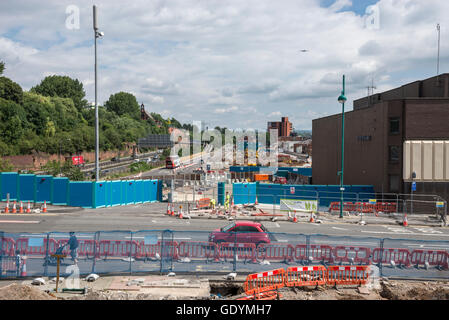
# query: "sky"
[[235, 64]]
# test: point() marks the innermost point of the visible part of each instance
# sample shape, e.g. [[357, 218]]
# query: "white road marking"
[[430, 230], [337, 228], [410, 233], [18, 221]]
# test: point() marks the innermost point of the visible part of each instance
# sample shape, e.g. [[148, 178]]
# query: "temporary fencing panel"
[[314, 253], [9, 267], [305, 276], [60, 191], [198, 250], [130, 191], [27, 187], [8, 246], [242, 251], [347, 275], [152, 196], [438, 258], [244, 193], [351, 254], [9, 183], [44, 190], [275, 252], [81, 194], [389, 256], [264, 281]]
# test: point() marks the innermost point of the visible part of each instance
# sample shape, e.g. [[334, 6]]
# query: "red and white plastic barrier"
[[317, 252], [244, 251], [437, 258], [352, 254], [397, 255], [275, 252], [197, 250]]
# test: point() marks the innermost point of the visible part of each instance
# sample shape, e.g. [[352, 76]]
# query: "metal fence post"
[[130, 254], [381, 255], [307, 246], [234, 268], [97, 245], [46, 256]]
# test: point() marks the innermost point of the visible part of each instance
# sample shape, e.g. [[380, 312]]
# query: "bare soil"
[[17, 291]]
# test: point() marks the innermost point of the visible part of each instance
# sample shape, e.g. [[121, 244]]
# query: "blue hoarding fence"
[[161, 251], [86, 194]]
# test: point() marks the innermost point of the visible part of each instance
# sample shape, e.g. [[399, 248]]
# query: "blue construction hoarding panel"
[[244, 193], [9, 183], [130, 192], [154, 190], [44, 189], [159, 190], [27, 187], [138, 189], [60, 191], [100, 194], [81, 194], [116, 193]]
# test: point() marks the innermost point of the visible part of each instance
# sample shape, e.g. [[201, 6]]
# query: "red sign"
[[292, 190], [77, 160]]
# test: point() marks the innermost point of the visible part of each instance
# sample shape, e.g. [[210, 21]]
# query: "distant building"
[[143, 114], [284, 127], [388, 136]]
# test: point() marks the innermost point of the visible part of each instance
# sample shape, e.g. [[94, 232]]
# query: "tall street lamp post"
[[97, 35], [342, 99]]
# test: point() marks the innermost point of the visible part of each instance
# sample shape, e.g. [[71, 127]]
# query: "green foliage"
[[67, 169], [124, 103], [2, 67], [63, 87], [139, 167], [9, 90], [5, 166]]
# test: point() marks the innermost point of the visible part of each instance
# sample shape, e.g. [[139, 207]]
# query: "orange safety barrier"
[[364, 207], [8, 245], [352, 254], [145, 251], [436, 258], [400, 257], [25, 249], [317, 252], [203, 203], [264, 281], [347, 275], [116, 248], [86, 247], [275, 251], [197, 249], [269, 295], [305, 276], [245, 251]]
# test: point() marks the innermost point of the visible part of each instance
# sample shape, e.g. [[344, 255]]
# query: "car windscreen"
[[263, 228], [228, 227]]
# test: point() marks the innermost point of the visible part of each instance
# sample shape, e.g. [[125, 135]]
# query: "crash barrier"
[[203, 203], [347, 275], [275, 252], [8, 246], [270, 295], [365, 207], [116, 248], [305, 276], [86, 194]]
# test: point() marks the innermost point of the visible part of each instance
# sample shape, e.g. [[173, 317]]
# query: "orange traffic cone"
[[312, 218], [257, 202], [21, 207], [7, 207], [168, 208], [14, 209], [172, 210], [295, 219], [45, 207], [405, 222], [23, 272], [180, 212], [28, 208]]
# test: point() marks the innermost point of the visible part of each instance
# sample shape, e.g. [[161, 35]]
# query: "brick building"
[[284, 127], [376, 133]]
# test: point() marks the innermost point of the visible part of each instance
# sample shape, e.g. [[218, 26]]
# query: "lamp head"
[[342, 98]]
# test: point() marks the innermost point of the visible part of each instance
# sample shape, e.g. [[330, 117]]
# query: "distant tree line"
[[54, 117]]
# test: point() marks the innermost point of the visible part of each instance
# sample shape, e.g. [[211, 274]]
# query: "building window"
[[393, 153], [394, 125], [394, 183]]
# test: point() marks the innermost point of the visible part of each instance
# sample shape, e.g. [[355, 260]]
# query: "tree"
[[123, 103], [63, 87], [9, 90], [2, 67]]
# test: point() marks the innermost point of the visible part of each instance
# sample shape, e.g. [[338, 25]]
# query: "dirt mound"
[[22, 292]]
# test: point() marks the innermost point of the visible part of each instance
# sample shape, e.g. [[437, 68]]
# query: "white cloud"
[[185, 57]]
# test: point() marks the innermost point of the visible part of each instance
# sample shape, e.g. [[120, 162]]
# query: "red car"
[[242, 232]]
